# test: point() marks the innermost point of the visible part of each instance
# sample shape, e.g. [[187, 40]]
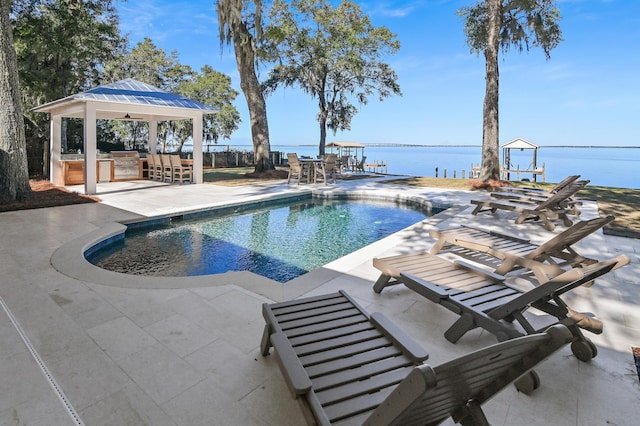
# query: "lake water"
[[617, 167]]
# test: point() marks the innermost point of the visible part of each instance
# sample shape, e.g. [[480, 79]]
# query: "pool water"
[[280, 242]]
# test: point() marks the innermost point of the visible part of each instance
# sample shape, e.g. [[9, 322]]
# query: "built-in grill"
[[126, 165]]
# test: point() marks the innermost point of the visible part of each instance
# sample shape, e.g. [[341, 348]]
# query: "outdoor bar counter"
[[111, 167]]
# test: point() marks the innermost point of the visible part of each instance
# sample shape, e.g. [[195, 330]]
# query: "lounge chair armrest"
[[473, 245], [296, 377], [480, 271], [433, 292], [399, 337]]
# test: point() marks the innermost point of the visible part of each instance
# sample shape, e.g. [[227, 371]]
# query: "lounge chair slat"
[[313, 312], [344, 351], [362, 372], [322, 345], [289, 323], [330, 324], [360, 358], [363, 387], [313, 336]]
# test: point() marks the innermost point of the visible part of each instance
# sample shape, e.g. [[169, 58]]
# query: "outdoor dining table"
[[312, 164]]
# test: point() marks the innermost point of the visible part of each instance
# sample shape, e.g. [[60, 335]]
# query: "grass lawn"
[[623, 203]]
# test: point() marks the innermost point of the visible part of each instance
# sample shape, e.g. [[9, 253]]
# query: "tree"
[[240, 22], [61, 46], [152, 65], [213, 88], [494, 24], [333, 54], [14, 175]]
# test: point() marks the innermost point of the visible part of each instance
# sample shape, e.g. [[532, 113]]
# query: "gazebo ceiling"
[[128, 99]]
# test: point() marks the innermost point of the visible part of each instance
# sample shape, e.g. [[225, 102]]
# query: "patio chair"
[[509, 253], [344, 163], [359, 166], [326, 169], [296, 169], [167, 171], [180, 173], [345, 366], [484, 299], [546, 211], [155, 167], [151, 167]]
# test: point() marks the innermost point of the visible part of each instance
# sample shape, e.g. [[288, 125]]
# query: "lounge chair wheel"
[[584, 350], [528, 383]]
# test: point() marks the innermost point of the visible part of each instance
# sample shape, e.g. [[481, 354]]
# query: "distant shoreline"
[[407, 145]]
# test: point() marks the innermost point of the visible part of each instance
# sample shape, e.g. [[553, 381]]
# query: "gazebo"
[[532, 168], [344, 148], [127, 99]]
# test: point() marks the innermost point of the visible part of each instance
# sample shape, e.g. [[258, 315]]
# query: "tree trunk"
[[242, 44], [490, 169], [322, 119], [14, 172], [323, 136]]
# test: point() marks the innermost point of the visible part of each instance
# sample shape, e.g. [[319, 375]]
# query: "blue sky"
[[588, 93]]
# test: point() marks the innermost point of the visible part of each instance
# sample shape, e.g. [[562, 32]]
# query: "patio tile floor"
[[190, 356]]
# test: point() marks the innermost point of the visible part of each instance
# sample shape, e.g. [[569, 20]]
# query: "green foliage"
[[214, 88], [239, 16], [61, 47], [523, 23], [152, 65], [148, 63], [333, 54]]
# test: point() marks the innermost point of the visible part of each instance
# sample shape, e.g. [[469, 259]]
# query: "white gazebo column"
[[153, 136], [55, 150], [197, 148], [90, 172]]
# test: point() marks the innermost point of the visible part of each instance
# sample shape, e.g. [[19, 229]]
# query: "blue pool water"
[[280, 242]]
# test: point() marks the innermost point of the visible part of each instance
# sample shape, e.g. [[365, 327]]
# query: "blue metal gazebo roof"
[[136, 92], [128, 94]]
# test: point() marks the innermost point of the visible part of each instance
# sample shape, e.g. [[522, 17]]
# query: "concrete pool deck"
[[74, 351]]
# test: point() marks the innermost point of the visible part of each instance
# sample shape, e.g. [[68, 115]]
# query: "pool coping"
[[69, 259]]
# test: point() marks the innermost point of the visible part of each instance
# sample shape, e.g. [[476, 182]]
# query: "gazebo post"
[[55, 149], [90, 157], [153, 136], [197, 148]]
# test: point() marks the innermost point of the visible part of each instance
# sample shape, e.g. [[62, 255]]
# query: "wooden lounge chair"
[[348, 367], [537, 191], [483, 299], [296, 169], [545, 261], [547, 211], [568, 203]]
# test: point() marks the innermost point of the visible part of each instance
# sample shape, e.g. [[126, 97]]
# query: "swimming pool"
[[280, 240]]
